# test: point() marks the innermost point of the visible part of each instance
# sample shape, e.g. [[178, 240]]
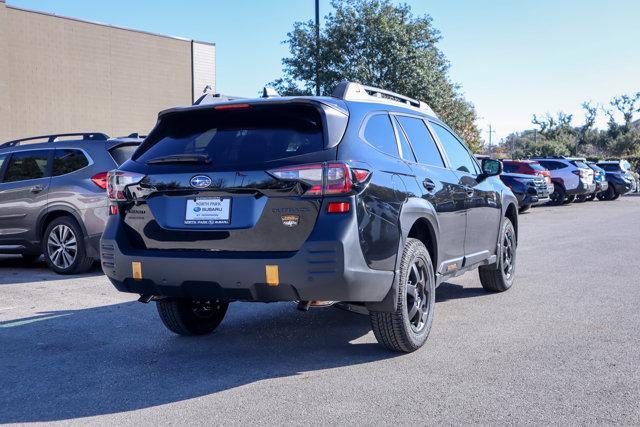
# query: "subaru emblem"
[[200, 181]]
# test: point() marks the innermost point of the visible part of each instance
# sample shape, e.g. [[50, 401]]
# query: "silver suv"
[[571, 177], [53, 199]]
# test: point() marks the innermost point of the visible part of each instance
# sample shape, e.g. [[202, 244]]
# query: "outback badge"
[[290, 220]]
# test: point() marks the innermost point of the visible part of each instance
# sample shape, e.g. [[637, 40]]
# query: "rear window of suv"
[[610, 167], [122, 153], [243, 136]]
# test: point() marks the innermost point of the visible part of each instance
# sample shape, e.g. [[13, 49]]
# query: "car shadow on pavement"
[[14, 270], [449, 291], [64, 365]]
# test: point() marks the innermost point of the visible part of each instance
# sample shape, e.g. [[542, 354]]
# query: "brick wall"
[[65, 75]]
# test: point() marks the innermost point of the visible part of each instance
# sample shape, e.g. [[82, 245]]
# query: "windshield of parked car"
[[537, 167]]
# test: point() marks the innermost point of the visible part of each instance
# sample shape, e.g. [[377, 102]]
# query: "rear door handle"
[[428, 184], [37, 188]]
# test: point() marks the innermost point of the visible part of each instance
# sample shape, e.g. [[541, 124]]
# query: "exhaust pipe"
[[305, 305]]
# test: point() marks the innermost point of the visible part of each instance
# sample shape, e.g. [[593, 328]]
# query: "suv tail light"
[[323, 178], [580, 172], [117, 183], [100, 179]]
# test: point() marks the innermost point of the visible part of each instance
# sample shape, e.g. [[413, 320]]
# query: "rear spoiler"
[[334, 112]]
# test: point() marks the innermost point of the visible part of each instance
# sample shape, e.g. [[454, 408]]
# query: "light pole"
[[317, 47]]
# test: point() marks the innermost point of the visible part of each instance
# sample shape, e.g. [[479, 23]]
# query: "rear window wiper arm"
[[181, 158]]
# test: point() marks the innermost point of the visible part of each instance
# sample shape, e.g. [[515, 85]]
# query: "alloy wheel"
[[508, 255], [417, 298], [62, 246]]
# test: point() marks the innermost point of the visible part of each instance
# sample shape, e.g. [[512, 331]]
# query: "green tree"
[[380, 44]]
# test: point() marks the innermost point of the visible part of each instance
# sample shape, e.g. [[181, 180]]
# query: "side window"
[[458, 154], [407, 152], [379, 133], [422, 142], [67, 161], [2, 159], [27, 165]]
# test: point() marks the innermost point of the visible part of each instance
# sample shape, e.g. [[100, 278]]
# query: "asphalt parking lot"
[[562, 346]]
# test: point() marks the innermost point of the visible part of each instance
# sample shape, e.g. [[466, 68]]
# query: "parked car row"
[[567, 179]]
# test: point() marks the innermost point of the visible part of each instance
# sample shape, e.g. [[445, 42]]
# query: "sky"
[[512, 58]]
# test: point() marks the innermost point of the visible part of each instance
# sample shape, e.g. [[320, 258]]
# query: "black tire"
[[191, 317], [499, 276], [400, 330], [524, 208], [558, 196], [80, 262], [30, 258], [591, 197], [581, 198], [607, 195], [569, 199], [615, 196]]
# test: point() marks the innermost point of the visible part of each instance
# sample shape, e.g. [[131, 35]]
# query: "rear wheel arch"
[[423, 230], [418, 220], [512, 214], [56, 212]]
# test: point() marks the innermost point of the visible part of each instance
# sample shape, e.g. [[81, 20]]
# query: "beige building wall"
[[66, 75], [4, 87]]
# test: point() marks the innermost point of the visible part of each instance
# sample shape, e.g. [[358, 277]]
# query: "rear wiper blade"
[[181, 158]]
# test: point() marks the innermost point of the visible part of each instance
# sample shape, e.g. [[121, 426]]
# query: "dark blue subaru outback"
[[365, 197]]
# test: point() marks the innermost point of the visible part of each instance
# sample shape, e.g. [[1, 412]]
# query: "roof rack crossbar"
[[94, 136], [351, 91]]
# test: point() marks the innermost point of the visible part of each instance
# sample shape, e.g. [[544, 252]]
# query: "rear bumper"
[[602, 186], [329, 266], [582, 188]]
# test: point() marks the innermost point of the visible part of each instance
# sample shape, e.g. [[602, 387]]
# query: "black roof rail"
[[353, 91], [88, 136]]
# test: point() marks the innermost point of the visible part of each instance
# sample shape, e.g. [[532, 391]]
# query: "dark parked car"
[[599, 177], [365, 197], [528, 189], [53, 199], [620, 180]]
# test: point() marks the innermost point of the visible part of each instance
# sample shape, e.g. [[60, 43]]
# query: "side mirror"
[[491, 167]]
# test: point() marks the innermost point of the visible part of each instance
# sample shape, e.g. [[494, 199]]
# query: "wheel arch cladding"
[[418, 220], [423, 231], [512, 214], [57, 212]]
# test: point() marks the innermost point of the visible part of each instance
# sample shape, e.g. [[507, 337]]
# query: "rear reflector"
[[136, 270], [338, 207], [113, 209], [272, 275], [100, 179]]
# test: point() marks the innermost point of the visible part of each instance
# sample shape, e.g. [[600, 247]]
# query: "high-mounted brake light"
[[100, 179], [117, 183], [323, 178], [232, 107]]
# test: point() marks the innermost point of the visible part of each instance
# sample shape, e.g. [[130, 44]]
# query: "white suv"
[[571, 177]]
